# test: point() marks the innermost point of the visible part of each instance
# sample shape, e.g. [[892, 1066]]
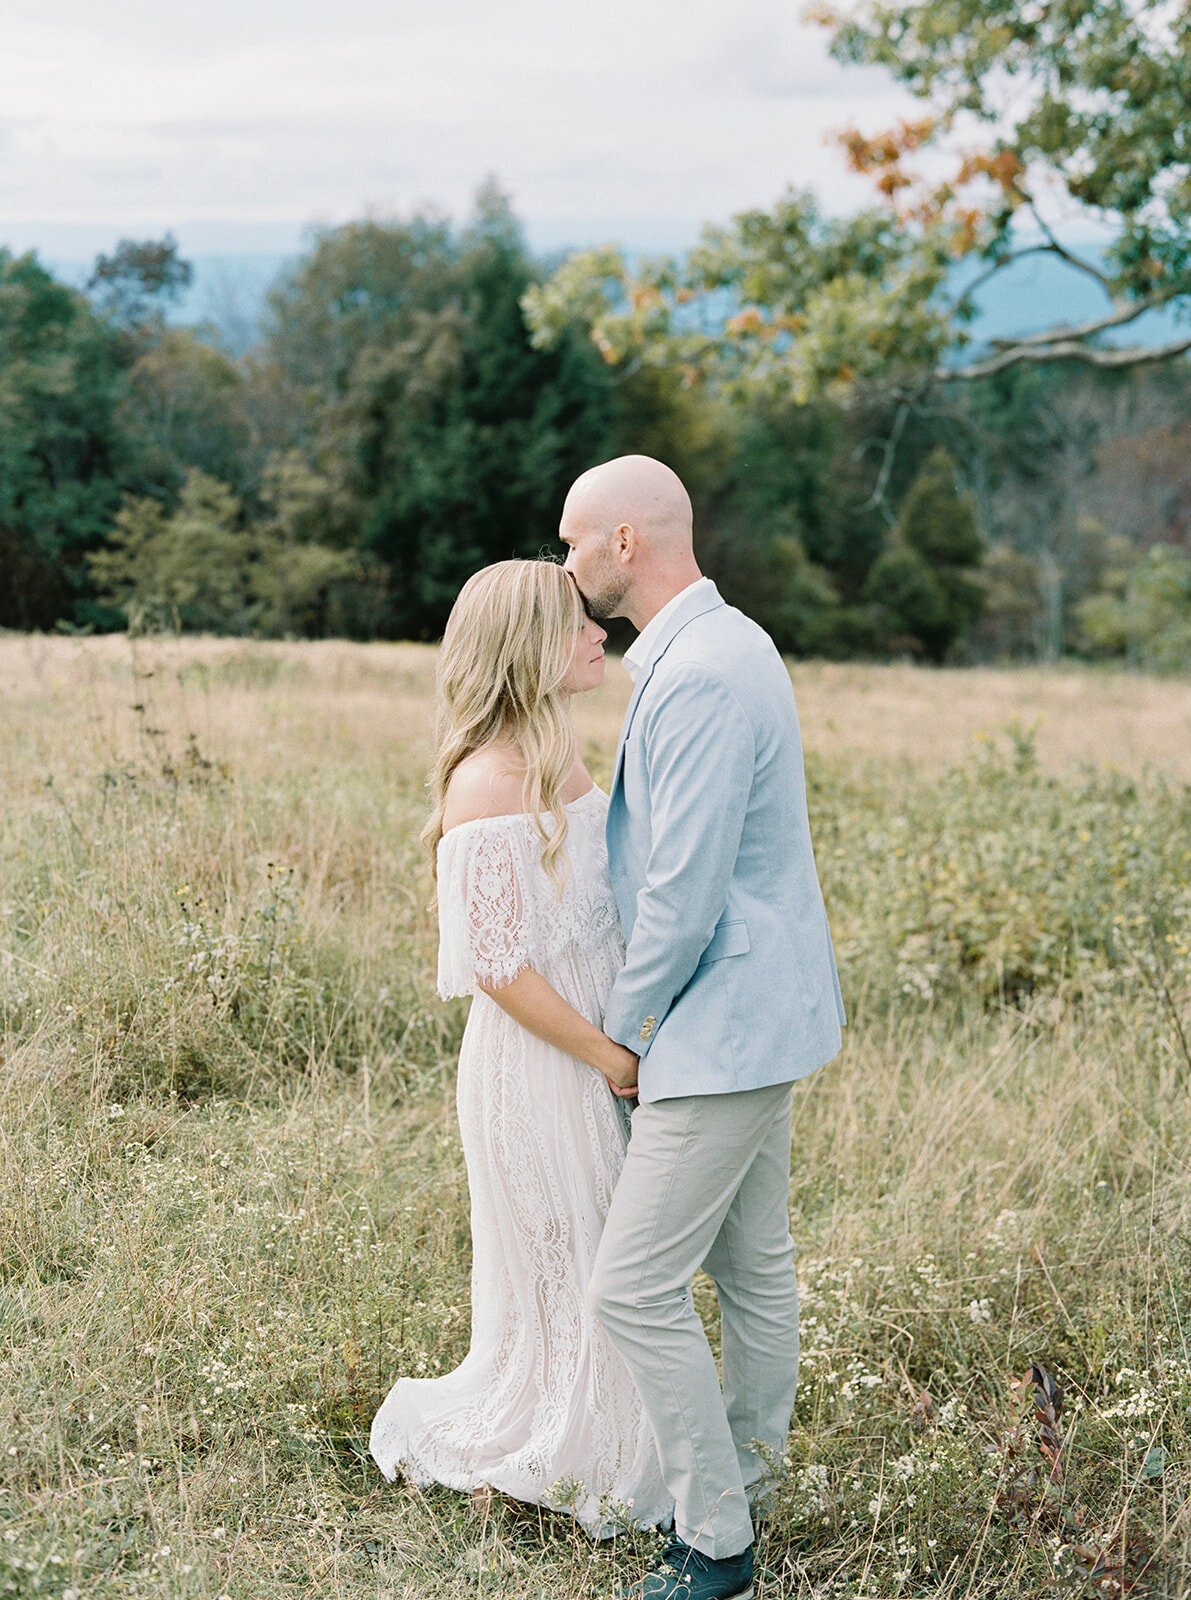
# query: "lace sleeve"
[[483, 911]]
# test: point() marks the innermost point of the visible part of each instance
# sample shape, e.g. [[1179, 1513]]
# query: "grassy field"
[[232, 1204]]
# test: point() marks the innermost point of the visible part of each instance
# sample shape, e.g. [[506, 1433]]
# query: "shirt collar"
[[638, 652]]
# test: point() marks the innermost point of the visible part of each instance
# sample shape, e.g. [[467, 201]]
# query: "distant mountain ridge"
[[230, 292]]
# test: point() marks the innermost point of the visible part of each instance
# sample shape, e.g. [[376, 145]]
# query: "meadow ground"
[[233, 1209]]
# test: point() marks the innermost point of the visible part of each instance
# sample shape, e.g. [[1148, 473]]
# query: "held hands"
[[620, 1071], [538, 1007]]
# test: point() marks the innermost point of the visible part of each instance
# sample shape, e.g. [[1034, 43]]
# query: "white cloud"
[[276, 110]]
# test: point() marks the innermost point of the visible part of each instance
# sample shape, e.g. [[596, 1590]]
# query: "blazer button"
[[648, 1026]]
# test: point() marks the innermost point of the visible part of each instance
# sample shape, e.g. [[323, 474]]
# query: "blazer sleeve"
[[700, 758]]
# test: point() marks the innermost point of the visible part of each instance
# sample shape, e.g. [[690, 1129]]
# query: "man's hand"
[[621, 1071], [629, 1093]]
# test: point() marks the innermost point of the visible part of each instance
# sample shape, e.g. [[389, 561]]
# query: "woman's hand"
[[540, 1009], [621, 1070]]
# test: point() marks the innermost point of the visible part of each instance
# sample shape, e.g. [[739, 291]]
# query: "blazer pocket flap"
[[729, 939]]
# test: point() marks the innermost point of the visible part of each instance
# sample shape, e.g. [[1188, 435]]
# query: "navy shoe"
[[687, 1574]]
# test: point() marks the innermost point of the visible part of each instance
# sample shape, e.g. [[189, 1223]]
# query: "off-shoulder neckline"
[[518, 816]]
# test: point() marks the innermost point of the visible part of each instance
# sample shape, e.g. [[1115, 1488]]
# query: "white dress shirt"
[[637, 654]]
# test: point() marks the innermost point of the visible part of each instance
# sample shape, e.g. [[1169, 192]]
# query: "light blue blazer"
[[729, 982]]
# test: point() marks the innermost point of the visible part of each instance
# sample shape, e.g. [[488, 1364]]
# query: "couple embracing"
[[665, 948]]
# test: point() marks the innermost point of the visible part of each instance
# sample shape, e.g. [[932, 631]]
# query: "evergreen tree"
[[63, 456], [406, 349], [923, 584]]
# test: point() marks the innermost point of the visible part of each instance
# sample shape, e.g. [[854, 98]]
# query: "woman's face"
[[586, 670]]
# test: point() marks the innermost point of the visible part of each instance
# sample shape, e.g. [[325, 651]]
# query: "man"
[[728, 994]]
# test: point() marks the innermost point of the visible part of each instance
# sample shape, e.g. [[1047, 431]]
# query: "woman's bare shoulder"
[[487, 783]]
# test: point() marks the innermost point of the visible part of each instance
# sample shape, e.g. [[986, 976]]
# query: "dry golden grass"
[[232, 1203], [931, 717], [261, 706], [354, 698]]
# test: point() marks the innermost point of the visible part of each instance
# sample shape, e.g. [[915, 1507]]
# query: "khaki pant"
[[706, 1183]]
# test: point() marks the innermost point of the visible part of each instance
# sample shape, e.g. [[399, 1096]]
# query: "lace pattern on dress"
[[493, 918]]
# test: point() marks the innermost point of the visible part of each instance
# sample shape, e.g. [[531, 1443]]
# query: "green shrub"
[[999, 881]]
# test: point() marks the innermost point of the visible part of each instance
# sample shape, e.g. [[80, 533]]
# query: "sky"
[[239, 124]]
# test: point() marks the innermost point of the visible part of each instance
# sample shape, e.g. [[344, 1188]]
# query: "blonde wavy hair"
[[508, 643]]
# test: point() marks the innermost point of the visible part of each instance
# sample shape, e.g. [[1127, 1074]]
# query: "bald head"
[[628, 524], [637, 490]]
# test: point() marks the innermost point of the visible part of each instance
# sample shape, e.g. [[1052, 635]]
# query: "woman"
[[542, 1408]]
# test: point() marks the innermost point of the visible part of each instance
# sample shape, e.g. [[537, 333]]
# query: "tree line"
[[396, 427]]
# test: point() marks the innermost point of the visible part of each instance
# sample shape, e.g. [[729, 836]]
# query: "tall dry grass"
[[233, 1209]]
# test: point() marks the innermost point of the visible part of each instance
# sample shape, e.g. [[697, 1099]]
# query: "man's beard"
[[605, 602]]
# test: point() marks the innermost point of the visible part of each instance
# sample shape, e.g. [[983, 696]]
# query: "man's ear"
[[624, 543]]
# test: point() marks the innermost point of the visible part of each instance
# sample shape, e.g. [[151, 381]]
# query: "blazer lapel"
[[685, 612]]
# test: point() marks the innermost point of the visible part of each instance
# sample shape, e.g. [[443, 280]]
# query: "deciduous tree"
[[1144, 611], [187, 568], [1049, 111], [139, 281], [185, 408], [1034, 113], [775, 304]]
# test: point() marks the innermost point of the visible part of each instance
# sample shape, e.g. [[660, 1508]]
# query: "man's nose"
[[569, 564]]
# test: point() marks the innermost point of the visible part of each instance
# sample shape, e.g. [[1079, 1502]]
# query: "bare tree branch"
[[1060, 249], [1066, 349], [1122, 312], [876, 500], [1115, 319], [999, 266]]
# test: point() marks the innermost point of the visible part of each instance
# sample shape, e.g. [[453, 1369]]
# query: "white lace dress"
[[542, 1408]]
